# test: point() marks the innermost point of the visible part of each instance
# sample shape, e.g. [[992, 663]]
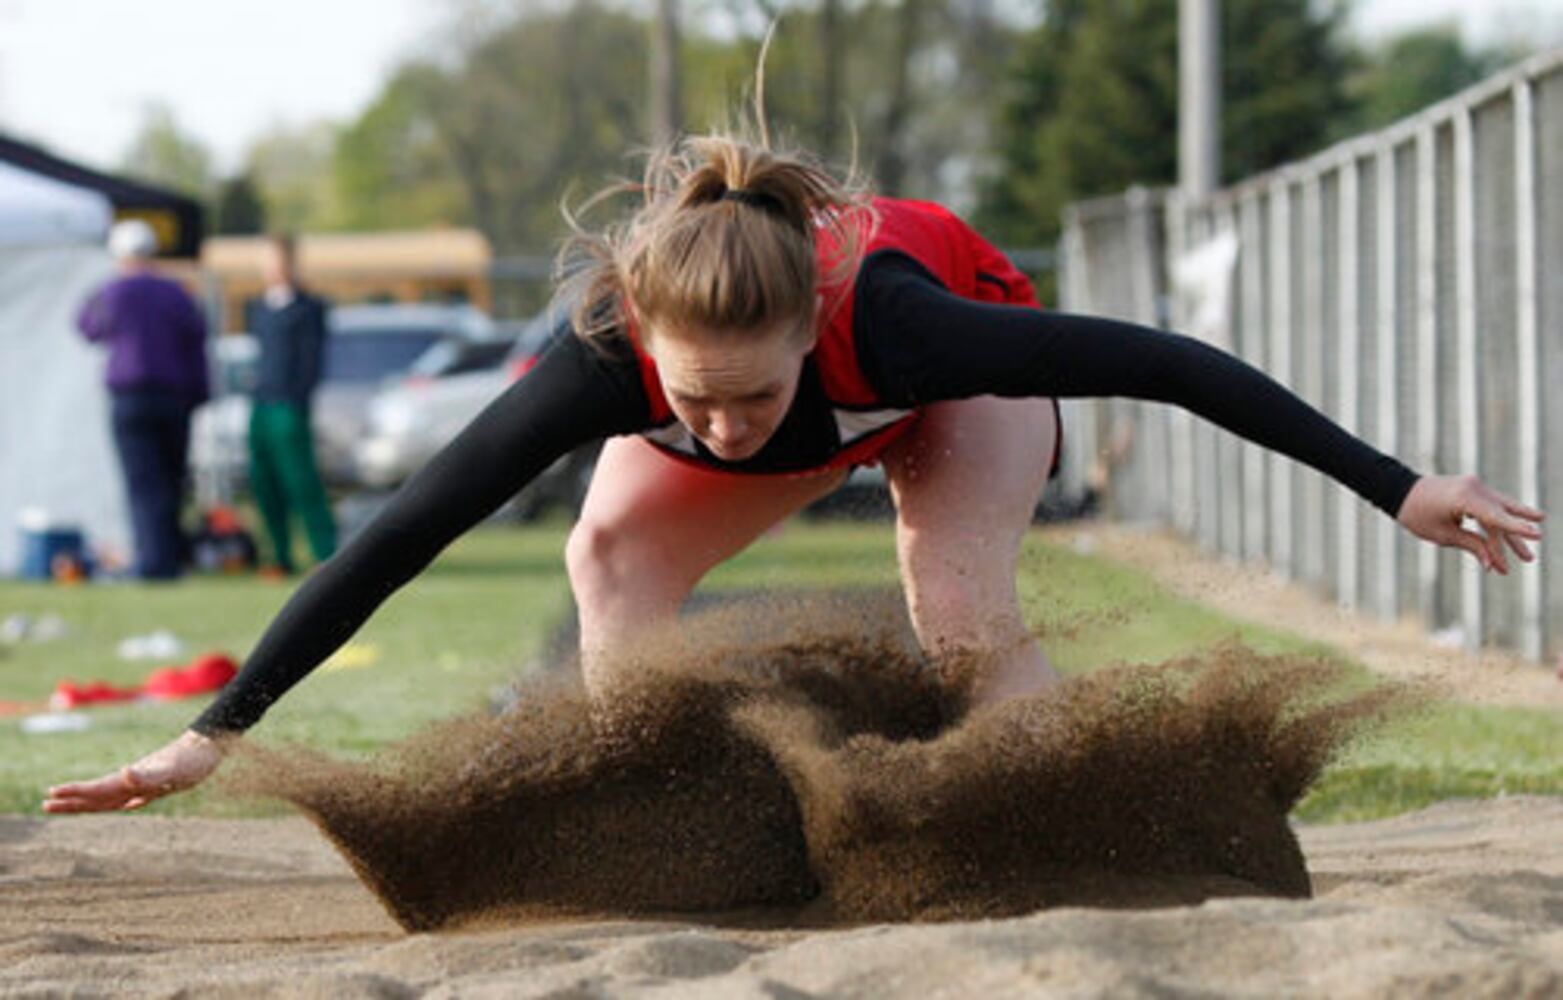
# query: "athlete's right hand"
[[180, 765]]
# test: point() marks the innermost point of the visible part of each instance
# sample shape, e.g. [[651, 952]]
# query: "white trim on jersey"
[[854, 425]]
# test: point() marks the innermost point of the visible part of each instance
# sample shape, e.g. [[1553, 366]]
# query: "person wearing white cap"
[[157, 375]]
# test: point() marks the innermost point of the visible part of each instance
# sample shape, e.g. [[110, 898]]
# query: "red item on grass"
[[68, 695], [204, 674]]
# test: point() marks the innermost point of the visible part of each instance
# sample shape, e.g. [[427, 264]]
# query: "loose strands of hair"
[[688, 258]]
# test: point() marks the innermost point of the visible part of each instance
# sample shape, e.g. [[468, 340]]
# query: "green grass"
[[464, 628], [445, 644]]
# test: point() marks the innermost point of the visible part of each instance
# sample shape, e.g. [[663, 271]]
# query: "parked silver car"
[[409, 420], [368, 345]]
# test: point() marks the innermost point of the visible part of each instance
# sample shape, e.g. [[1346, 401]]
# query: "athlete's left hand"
[[1437, 508]]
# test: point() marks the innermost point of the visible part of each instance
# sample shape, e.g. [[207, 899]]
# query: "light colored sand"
[[1253, 593], [1465, 899]]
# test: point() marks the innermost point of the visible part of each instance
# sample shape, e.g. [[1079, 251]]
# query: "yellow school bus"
[[445, 265]]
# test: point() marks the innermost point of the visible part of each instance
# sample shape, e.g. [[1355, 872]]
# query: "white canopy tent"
[[56, 448], [38, 210]]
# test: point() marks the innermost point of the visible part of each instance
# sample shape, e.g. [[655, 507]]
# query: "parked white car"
[[411, 419]]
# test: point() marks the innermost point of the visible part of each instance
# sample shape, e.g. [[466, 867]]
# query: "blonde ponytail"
[[724, 241]]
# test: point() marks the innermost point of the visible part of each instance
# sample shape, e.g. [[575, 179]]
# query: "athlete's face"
[[730, 390]]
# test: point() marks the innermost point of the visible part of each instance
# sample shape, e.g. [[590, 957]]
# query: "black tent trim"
[[178, 221]]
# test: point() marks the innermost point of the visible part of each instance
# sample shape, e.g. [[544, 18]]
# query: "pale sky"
[[76, 74]]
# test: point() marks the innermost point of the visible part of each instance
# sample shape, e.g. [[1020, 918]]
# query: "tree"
[[1094, 102], [162, 153], [239, 210], [390, 167], [1413, 70], [532, 102], [665, 86], [292, 169]]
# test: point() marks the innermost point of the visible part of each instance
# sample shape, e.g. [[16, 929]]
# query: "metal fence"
[[1409, 283]]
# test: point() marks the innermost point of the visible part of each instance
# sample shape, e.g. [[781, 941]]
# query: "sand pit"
[[1464, 899], [800, 818]]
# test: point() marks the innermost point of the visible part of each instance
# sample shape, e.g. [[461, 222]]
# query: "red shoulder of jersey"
[[936, 238]]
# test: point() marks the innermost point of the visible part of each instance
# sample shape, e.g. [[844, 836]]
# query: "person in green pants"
[[291, 330]]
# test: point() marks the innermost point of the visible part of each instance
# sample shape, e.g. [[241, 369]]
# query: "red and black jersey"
[[839, 417]]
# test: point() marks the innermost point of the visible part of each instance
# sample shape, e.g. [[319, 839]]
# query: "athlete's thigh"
[[968, 477], [685, 519]]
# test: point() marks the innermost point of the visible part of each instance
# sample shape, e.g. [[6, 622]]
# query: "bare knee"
[[959, 603], [602, 561], [621, 579]]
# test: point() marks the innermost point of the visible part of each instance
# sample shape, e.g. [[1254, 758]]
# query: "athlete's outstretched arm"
[[571, 397], [921, 343]]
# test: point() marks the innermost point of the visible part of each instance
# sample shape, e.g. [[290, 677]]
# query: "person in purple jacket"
[[157, 375]]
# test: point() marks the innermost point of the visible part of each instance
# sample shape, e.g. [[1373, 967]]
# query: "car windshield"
[[371, 355], [451, 358]]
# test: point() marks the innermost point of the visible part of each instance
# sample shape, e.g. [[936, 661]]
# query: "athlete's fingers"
[[82, 803], [93, 787], [1521, 510], [70, 806], [1520, 548], [1503, 521], [79, 796], [1494, 545], [1473, 543], [135, 803]]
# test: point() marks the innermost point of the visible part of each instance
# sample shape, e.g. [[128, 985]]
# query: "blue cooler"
[[40, 547]]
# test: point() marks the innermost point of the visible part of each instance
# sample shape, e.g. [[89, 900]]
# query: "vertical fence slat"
[[1466, 355], [1308, 541], [1179, 422], [1079, 417], [1547, 101], [1385, 534], [1229, 448], [1425, 450], [1527, 330], [1148, 421], [1207, 439], [1280, 365], [1349, 560], [1253, 351]]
